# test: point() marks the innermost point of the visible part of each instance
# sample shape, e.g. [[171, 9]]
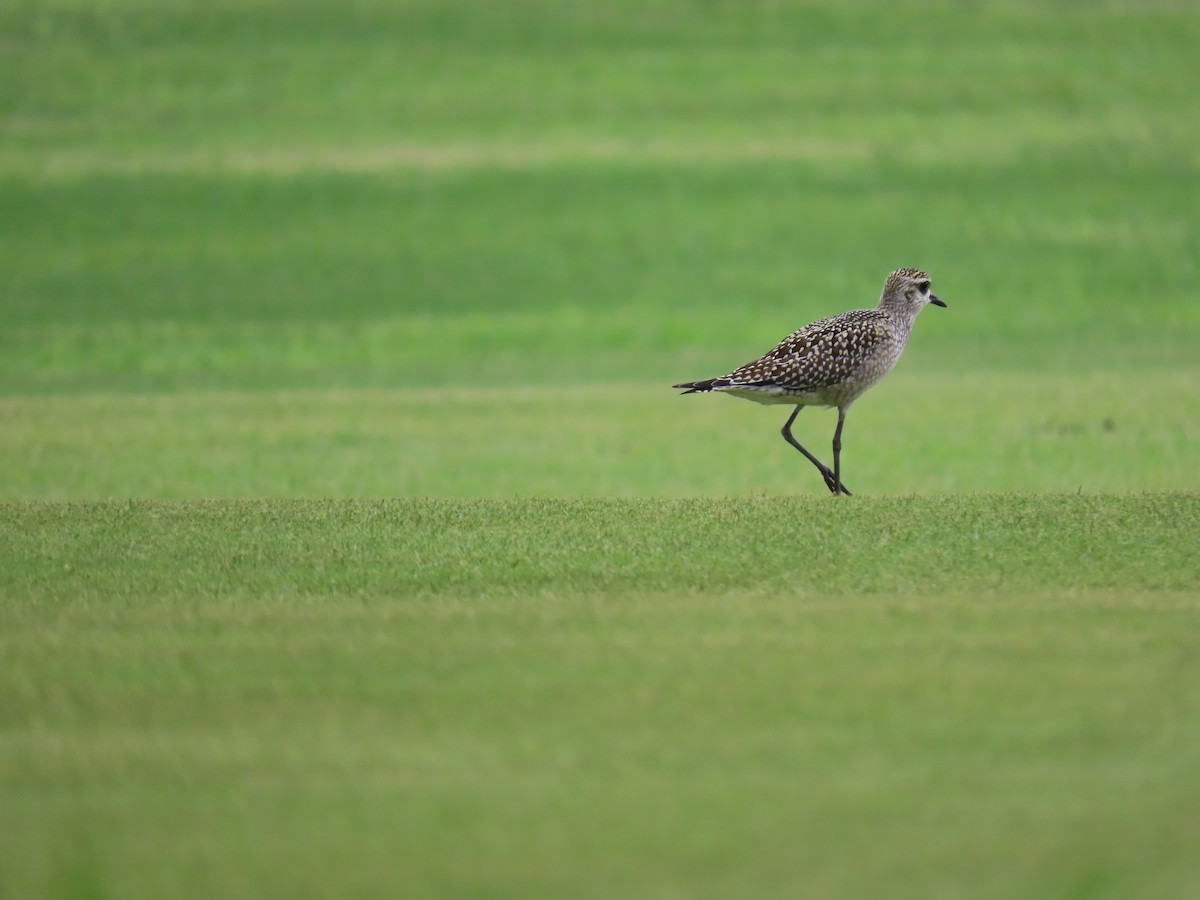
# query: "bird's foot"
[[835, 486]]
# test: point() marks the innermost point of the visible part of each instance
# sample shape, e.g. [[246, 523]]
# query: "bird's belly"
[[841, 394], [771, 393]]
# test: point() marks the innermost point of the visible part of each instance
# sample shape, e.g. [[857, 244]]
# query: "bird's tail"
[[701, 387]]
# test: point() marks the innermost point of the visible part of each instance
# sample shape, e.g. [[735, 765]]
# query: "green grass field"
[[352, 542], [992, 696]]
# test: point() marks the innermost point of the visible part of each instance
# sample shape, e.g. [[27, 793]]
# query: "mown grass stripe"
[[76, 552]]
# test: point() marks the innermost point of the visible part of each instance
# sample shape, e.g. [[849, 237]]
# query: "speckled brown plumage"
[[831, 362]]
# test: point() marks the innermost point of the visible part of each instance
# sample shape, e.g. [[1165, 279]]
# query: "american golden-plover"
[[831, 362]]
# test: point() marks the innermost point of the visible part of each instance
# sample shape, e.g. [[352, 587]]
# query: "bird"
[[831, 362]]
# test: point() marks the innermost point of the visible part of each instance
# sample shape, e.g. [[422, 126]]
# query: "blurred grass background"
[[385, 248], [204, 200]]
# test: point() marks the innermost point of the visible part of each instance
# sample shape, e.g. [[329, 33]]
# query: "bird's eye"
[[923, 286]]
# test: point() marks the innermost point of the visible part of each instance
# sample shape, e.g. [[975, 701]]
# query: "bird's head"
[[908, 290]]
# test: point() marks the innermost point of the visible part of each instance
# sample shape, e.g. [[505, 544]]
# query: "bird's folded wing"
[[824, 353]]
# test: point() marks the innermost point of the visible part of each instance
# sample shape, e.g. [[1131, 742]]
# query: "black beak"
[[937, 301]]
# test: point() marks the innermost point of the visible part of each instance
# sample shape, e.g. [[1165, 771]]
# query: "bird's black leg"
[[837, 486], [831, 479]]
